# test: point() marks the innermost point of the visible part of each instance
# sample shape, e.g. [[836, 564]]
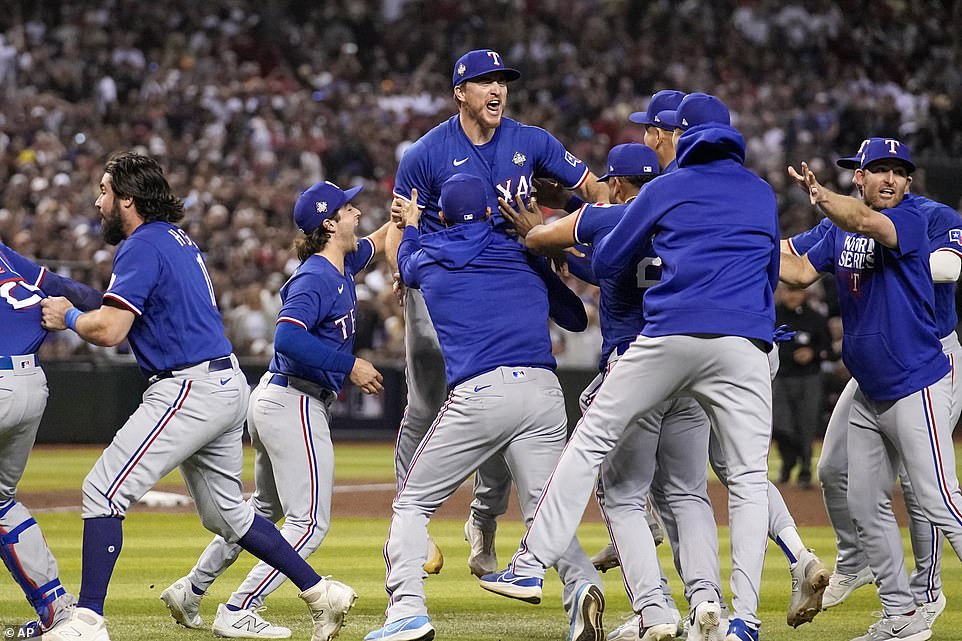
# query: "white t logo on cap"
[[893, 146], [495, 57]]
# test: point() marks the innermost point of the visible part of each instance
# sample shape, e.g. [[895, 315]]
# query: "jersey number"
[[210, 285], [649, 272], [6, 291]]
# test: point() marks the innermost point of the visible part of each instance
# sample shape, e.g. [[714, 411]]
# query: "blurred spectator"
[[797, 389]]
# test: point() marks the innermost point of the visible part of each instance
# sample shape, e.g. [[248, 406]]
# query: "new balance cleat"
[[809, 581], [245, 624], [183, 603]]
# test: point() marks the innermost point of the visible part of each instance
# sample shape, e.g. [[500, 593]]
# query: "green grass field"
[[159, 548]]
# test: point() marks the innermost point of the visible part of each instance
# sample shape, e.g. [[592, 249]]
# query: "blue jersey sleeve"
[[596, 221], [822, 254], [945, 228], [559, 163], [305, 303], [911, 228], [415, 172], [29, 271], [359, 259], [581, 267], [626, 243], [137, 270], [406, 257], [801, 243]]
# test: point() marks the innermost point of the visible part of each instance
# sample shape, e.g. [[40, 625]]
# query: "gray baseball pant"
[[926, 578], [515, 412], [193, 420], [914, 435], [294, 479], [23, 398], [426, 391], [729, 378]]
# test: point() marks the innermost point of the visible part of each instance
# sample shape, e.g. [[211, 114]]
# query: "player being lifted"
[[161, 300], [507, 156], [289, 415]]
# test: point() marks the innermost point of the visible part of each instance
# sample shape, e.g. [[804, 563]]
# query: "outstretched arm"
[[797, 271], [848, 213]]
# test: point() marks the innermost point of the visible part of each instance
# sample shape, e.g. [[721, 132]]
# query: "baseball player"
[[709, 325], [23, 397], [852, 571], [675, 434], [289, 413], [507, 155], [161, 300], [483, 291], [900, 415]]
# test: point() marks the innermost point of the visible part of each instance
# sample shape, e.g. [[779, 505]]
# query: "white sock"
[[791, 543]]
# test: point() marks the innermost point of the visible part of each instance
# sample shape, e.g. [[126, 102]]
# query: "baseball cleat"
[[507, 583], [738, 630], [483, 559], [630, 630], [329, 602], [841, 586], [435, 560], [659, 632], [55, 613], [407, 629], [703, 621], [903, 628], [81, 625], [245, 624], [933, 609], [183, 603], [605, 559], [586, 624], [809, 580]]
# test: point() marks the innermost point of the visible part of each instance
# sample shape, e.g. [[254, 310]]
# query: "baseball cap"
[[319, 202], [480, 62], [662, 101], [852, 162], [631, 159], [696, 109], [463, 199], [876, 149]]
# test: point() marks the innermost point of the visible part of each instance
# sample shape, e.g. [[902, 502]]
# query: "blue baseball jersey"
[[944, 228], [714, 225], [323, 301], [890, 342], [621, 312], [507, 164], [20, 298], [159, 274]]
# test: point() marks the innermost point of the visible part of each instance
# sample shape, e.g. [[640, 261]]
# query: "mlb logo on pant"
[[518, 373]]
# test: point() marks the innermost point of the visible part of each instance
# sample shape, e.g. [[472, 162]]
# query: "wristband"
[[70, 318]]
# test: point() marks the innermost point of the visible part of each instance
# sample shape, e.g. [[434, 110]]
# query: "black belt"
[[215, 365], [304, 386]]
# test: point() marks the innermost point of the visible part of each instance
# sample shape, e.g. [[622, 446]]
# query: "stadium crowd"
[[247, 103]]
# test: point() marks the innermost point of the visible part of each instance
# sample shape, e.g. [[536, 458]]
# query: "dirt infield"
[[374, 500]]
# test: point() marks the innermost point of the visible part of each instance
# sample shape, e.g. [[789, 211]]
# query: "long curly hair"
[[306, 245], [140, 177]]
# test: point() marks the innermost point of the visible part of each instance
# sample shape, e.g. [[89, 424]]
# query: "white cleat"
[[933, 609], [329, 602], [841, 586], [627, 631], [902, 628], [484, 558], [435, 560], [245, 624], [183, 604], [703, 621], [660, 632], [81, 625], [809, 581]]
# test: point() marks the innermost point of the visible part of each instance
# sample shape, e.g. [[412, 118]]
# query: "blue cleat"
[[408, 629], [507, 583], [738, 630]]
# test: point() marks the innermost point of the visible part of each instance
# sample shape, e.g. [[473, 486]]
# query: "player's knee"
[[830, 473], [94, 502]]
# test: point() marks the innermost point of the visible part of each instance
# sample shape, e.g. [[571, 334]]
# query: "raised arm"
[[846, 212]]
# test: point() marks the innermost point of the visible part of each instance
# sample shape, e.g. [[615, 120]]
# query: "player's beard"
[[112, 227]]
